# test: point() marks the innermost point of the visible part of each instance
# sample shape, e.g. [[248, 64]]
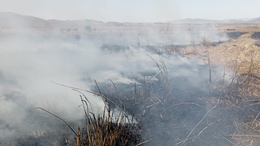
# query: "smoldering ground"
[[30, 62]]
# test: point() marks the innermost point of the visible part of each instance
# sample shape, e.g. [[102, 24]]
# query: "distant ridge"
[[8, 19], [206, 21], [13, 20]]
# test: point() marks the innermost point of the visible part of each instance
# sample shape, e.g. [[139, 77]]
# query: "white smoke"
[[30, 62]]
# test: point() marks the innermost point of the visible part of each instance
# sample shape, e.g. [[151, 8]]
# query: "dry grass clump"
[[103, 130], [106, 130]]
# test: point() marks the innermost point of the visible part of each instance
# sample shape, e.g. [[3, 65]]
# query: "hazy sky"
[[133, 10]]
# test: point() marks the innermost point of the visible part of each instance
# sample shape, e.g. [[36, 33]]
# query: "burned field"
[[188, 109], [148, 88]]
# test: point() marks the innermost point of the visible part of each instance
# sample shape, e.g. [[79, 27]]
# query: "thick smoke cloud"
[[30, 62]]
